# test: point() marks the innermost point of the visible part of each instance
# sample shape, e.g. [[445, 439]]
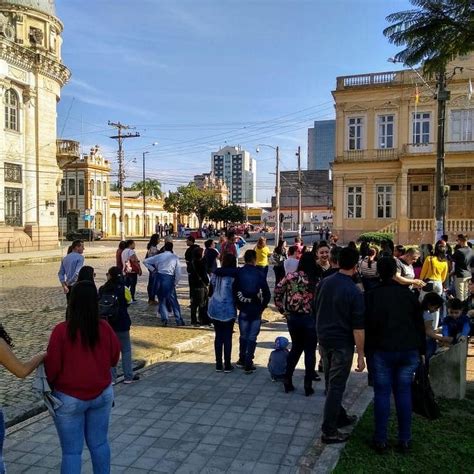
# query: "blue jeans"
[[393, 371], [2, 438], [263, 269], [78, 419], [249, 329], [126, 350], [167, 295]]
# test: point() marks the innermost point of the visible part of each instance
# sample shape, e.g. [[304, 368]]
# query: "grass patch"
[[444, 445]]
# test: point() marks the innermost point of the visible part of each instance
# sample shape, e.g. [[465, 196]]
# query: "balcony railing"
[[460, 225], [422, 225], [67, 151], [382, 154], [459, 146], [416, 148], [366, 79]]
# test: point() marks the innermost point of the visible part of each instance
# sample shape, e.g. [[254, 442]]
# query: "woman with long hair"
[[263, 252], [119, 320], [86, 273], [199, 288], [131, 267], [435, 271], [223, 311], [81, 353], [19, 369], [368, 270], [118, 254], [280, 254], [151, 251], [294, 297]]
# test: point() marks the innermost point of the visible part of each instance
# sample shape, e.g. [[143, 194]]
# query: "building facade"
[[386, 139], [31, 78], [238, 170], [316, 199], [321, 144], [211, 182], [86, 201]]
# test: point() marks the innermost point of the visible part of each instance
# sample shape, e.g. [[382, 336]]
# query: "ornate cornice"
[[30, 60]]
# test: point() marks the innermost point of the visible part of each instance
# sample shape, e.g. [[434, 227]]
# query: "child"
[[432, 303], [455, 324], [278, 359]]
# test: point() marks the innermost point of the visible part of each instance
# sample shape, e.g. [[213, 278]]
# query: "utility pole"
[[277, 198], [300, 220], [120, 137], [442, 96], [144, 195]]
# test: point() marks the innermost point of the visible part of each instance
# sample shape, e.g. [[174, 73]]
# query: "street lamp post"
[[277, 191]]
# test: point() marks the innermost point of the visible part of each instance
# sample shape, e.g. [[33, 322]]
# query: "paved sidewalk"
[[184, 417]]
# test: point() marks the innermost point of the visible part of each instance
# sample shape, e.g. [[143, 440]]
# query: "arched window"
[[105, 189], [99, 188], [12, 110]]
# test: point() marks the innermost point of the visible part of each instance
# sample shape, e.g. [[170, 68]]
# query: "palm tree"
[[434, 34], [152, 187]]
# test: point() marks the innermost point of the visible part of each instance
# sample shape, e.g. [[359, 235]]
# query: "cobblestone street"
[[32, 302]]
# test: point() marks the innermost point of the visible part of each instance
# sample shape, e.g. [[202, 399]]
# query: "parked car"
[[84, 234]]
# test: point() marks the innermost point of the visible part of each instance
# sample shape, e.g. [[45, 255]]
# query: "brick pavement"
[[184, 417]]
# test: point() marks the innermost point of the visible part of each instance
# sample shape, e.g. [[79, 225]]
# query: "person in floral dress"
[[293, 298]]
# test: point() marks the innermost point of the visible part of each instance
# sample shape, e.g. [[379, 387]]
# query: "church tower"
[[31, 77]]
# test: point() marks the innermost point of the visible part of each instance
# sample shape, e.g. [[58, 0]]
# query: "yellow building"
[[31, 77], [384, 169]]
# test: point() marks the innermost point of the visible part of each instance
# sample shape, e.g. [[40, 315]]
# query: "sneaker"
[[219, 368], [240, 364], [164, 323], [250, 369], [335, 438], [135, 378], [347, 421], [380, 448], [316, 377], [404, 447], [228, 369]]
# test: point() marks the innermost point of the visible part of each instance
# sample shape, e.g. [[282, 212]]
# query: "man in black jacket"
[[339, 307]]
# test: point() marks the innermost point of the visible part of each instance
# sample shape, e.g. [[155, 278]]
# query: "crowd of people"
[[395, 307]]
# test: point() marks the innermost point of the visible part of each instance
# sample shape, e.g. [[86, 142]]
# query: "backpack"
[[297, 295], [109, 307]]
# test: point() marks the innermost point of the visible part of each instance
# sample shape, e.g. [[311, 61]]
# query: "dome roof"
[[45, 6]]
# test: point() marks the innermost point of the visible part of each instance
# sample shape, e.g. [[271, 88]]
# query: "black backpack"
[[109, 307]]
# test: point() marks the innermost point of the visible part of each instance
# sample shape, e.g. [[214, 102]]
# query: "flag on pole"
[[417, 95], [469, 90]]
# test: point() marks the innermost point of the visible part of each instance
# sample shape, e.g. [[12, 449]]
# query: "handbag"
[[423, 399]]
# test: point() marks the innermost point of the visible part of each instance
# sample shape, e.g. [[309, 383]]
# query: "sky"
[[195, 75]]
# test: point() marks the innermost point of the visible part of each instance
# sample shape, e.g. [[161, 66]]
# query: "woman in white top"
[[368, 270]]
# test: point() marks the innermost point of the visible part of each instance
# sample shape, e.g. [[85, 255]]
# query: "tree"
[[190, 199], [434, 34], [152, 187], [228, 213]]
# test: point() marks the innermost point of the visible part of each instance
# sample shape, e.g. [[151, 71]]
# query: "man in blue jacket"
[[252, 297]]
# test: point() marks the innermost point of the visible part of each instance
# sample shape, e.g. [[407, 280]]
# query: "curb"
[[33, 260], [330, 454]]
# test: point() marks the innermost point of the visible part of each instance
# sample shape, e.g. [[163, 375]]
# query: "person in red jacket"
[[81, 352]]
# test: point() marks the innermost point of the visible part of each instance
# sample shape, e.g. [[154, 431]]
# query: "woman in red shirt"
[[80, 354]]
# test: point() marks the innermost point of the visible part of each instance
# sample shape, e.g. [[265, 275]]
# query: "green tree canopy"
[[152, 187], [433, 34], [190, 199], [228, 213]]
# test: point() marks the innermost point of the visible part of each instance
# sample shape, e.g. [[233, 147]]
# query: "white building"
[[31, 77], [238, 170]]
